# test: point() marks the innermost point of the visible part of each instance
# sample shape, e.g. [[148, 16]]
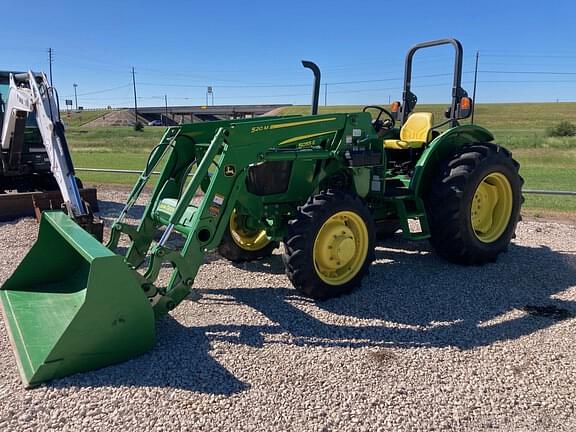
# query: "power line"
[[371, 90], [269, 85], [141, 70], [349, 91], [104, 90], [531, 55], [527, 81], [527, 72], [291, 85], [331, 83]]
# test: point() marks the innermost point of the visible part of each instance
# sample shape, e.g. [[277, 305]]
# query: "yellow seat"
[[415, 132]]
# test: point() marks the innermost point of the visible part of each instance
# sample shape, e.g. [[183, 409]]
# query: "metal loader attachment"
[[72, 305]]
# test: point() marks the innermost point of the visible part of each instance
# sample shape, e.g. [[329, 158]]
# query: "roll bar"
[[409, 99]]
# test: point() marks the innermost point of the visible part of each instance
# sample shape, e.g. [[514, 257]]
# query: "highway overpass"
[[192, 114]]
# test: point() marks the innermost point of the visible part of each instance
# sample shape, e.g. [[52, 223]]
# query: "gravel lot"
[[423, 345]]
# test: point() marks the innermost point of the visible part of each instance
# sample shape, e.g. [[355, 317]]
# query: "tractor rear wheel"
[[330, 245], [240, 244], [474, 204]]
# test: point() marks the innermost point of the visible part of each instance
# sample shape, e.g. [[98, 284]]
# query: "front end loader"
[[324, 185]]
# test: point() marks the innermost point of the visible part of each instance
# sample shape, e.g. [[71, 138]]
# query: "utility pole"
[[326, 94], [165, 110], [75, 95], [135, 98], [474, 91], [50, 64]]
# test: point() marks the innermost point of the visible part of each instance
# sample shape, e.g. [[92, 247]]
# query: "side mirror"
[[395, 109], [464, 107]]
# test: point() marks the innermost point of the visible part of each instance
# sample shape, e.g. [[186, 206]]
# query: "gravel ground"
[[423, 345]]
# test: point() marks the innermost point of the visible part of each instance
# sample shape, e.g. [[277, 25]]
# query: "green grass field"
[[111, 147], [513, 116], [546, 163], [115, 140], [548, 169]]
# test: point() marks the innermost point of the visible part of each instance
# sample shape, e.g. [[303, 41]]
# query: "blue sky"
[[251, 51]]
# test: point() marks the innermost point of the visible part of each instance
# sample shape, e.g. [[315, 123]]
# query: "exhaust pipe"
[[316, 89]]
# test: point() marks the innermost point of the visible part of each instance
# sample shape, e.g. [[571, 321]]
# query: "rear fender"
[[440, 149]]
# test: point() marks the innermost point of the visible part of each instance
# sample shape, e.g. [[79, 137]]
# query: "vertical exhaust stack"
[[316, 89]]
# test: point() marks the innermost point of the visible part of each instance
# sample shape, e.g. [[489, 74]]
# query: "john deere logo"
[[229, 170]]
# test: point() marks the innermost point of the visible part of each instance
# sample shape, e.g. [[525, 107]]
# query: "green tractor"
[[323, 185]]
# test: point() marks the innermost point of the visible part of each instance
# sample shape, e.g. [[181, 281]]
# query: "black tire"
[[450, 198], [232, 251], [298, 256]]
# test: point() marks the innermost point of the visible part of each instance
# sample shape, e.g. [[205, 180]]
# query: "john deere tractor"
[[323, 185]]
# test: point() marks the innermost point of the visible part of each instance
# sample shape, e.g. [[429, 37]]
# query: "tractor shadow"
[[420, 300], [271, 265], [180, 359], [465, 307], [412, 298]]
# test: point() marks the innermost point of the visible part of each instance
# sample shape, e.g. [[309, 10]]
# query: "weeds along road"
[[423, 345]]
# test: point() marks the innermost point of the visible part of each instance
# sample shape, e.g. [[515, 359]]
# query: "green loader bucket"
[[72, 305]]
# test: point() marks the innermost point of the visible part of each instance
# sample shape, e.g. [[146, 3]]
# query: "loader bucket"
[[72, 305]]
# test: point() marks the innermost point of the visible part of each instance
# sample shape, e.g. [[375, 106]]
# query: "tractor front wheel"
[[240, 244], [474, 204], [330, 245]]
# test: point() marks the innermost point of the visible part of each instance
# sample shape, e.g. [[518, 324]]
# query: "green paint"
[[439, 149], [72, 305], [362, 180]]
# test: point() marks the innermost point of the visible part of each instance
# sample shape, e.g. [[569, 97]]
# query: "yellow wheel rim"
[[491, 207], [340, 248], [245, 239]]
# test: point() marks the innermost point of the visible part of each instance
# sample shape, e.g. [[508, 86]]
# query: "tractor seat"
[[414, 133]]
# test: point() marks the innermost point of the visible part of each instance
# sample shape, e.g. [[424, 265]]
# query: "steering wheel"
[[378, 123]]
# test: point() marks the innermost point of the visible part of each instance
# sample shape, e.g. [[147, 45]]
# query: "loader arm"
[[31, 92], [92, 307], [219, 179]]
